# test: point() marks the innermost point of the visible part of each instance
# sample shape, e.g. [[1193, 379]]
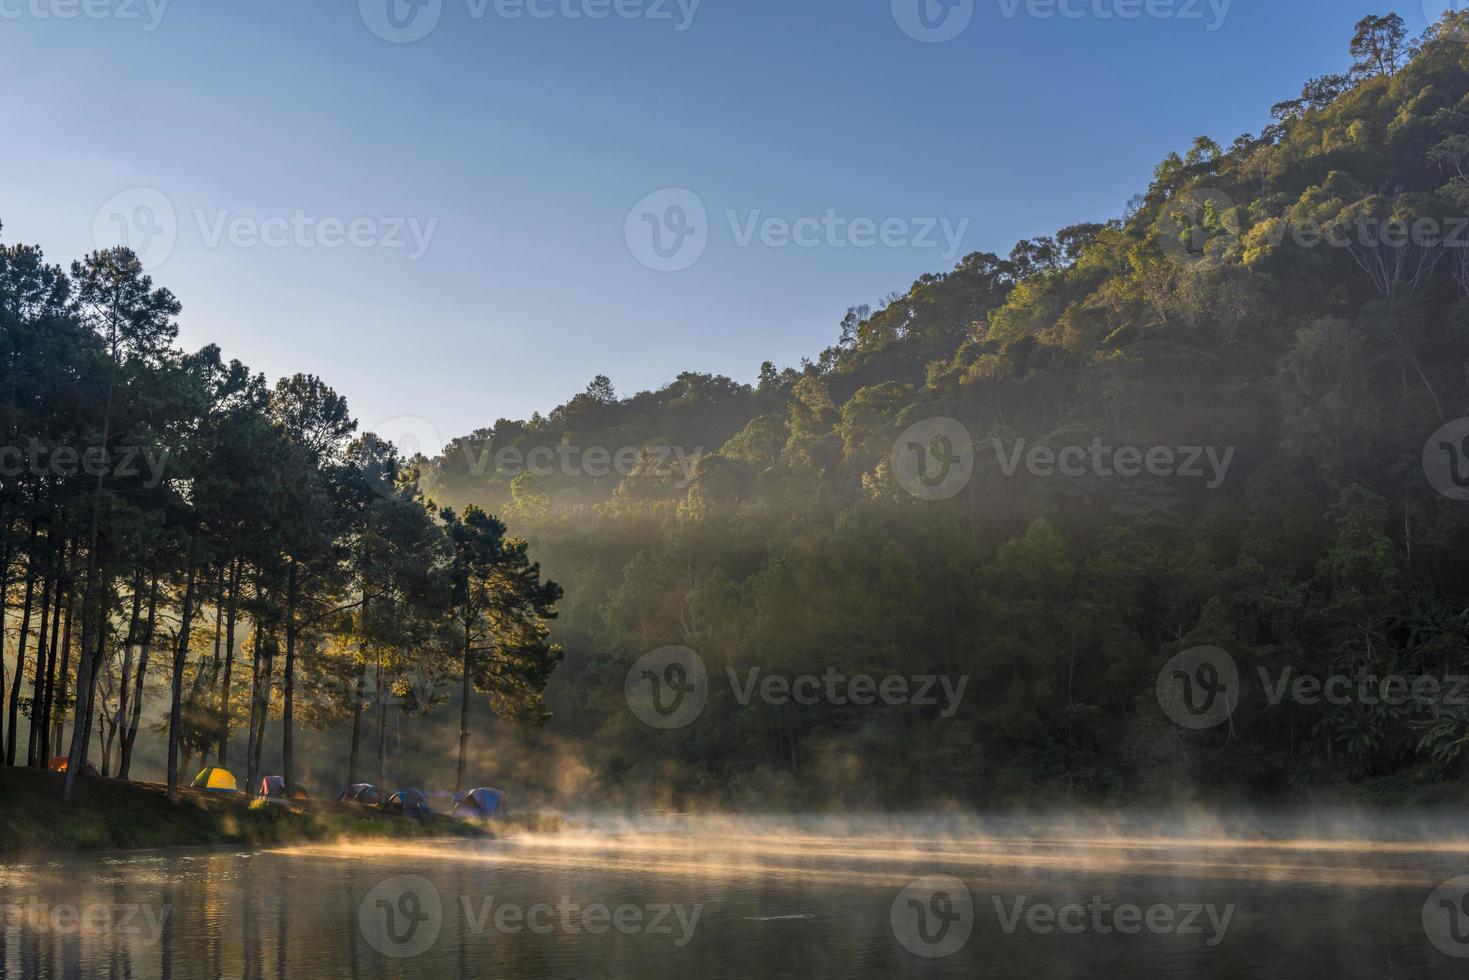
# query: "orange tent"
[[60, 764]]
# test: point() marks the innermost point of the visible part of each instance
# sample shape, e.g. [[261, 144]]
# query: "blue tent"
[[480, 804], [364, 793], [273, 786], [407, 803]]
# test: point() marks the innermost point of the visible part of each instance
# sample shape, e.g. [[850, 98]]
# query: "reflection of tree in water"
[[246, 905]]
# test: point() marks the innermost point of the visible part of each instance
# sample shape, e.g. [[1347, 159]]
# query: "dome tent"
[[480, 804], [61, 763], [216, 780], [407, 803], [364, 793]]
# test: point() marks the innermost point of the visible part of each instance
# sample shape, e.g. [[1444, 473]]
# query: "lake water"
[[1179, 897]]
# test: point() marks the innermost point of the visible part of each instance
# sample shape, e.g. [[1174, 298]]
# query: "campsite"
[[113, 815], [552, 489]]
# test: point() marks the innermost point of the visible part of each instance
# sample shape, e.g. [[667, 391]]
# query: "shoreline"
[[109, 815]]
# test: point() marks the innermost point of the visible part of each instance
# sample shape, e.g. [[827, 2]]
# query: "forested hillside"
[[1289, 309], [1236, 417]]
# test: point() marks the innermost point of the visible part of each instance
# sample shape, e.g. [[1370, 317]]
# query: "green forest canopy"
[[1297, 300]]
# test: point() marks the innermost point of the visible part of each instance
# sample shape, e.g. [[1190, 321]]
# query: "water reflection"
[[711, 898]]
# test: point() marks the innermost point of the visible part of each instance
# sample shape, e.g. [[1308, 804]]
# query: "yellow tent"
[[217, 780]]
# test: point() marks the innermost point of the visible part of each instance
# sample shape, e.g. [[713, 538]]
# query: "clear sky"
[[272, 159]]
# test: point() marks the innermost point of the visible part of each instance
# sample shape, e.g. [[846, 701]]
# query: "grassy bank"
[[108, 814]]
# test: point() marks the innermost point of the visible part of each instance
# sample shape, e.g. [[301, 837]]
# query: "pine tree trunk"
[[260, 711], [63, 676], [229, 665], [464, 717], [135, 621], [20, 655], [218, 644], [382, 725], [39, 680], [93, 632], [102, 737], [107, 730], [288, 771], [4, 605], [131, 725], [252, 732], [49, 691], [87, 671], [357, 728], [175, 711]]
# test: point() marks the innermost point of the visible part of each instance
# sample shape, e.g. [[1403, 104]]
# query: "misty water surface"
[[797, 898]]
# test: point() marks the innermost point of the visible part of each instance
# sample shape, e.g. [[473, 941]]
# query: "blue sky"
[[292, 164]]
